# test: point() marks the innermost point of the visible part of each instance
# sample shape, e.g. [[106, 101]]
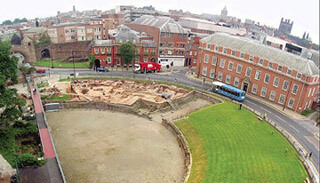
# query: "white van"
[[165, 63]]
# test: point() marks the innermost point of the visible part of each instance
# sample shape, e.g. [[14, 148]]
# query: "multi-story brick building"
[[71, 32], [107, 51], [192, 50], [111, 21], [270, 73], [169, 35]]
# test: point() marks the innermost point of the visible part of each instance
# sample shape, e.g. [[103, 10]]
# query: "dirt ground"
[[103, 146]]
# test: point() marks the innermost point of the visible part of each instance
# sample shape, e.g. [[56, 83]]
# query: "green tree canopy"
[[92, 58], [10, 103], [43, 39], [7, 22], [15, 40], [127, 52]]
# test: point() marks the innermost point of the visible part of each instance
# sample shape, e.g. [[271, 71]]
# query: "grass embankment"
[[56, 64], [231, 145], [54, 97], [130, 79]]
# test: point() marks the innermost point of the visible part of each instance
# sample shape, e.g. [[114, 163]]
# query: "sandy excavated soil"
[[103, 146], [121, 92]]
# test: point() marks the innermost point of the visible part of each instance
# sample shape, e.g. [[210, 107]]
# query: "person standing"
[[240, 106]]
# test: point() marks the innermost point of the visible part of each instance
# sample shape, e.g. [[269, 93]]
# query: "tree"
[[92, 59], [23, 20], [15, 40], [7, 22], [43, 39], [26, 70], [16, 20], [10, 103], [127, 53]]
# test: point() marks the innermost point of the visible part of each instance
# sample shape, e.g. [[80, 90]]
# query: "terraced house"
[[270, 73]]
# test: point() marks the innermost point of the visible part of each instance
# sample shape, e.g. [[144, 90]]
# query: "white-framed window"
[[263, 92], [272, 95], [109, 60], [220, 76], [285, 85], [212, 72], [251, 58], [89, 38], [204, 71], [254, 88], [267, 78], [236, 81], [222, 62], [257, 76], [276, 81], [190, 52], [145, 59], [228, 78], [206, 58], [233, 53], [216, 48], [214, 60], [314, 89], [96, 51], [239, 68], [309, 92], [224, 50], [102, 50], [195, 53], [230, 66], [248, 72], [299, 75], [241, 55], [81, 38], [280, 68], [261, 61], [289, 71], [194, 60], [270, 65], [295, 89], [291, 102], [89, 30], [281, 99], [208, 46]]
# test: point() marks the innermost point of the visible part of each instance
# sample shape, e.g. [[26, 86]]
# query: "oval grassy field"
[[232, 145]]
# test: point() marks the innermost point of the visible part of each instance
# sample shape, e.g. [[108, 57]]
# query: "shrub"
[[27, 159], [307, 112]]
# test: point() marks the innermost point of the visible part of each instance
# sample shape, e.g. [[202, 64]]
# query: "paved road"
[[302, 130]]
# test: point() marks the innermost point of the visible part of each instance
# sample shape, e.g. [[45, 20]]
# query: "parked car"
[[40, 71], [101, 69]]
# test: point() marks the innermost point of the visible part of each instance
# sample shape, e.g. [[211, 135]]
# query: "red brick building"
[[170, 36], [192, 50], [275, 75], [107, 51]]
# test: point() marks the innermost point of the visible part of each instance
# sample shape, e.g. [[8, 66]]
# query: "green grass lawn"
[[42, 85], [48, 63], [231, 145], [62, 97]]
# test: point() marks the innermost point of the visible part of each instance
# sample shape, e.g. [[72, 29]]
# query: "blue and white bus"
[[228, 91]]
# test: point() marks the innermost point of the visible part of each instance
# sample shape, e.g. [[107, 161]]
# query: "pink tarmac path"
[[47, 144]]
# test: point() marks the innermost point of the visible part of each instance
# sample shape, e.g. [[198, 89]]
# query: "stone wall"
[[183, 145], [64, 50]]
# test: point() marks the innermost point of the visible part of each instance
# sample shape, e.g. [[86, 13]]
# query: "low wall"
[[207, 97], [183, 144]]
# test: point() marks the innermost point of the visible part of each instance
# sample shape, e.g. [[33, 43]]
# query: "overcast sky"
[[305, 14]]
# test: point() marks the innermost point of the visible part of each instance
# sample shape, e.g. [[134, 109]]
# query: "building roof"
[[312, 55], [165, 24], [271, 54], [37, 30], [102, 43], [70, 24], [124, 34]]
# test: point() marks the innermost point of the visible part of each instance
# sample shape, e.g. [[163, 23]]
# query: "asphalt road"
[[302, 130]]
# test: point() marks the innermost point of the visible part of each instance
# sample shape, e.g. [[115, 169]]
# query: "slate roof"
[[271, 54], [102, 43], [165, 24]]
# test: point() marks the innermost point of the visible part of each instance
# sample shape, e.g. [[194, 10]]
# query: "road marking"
[[293, 128], [266, 110], [280, 118], [251, 102]]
